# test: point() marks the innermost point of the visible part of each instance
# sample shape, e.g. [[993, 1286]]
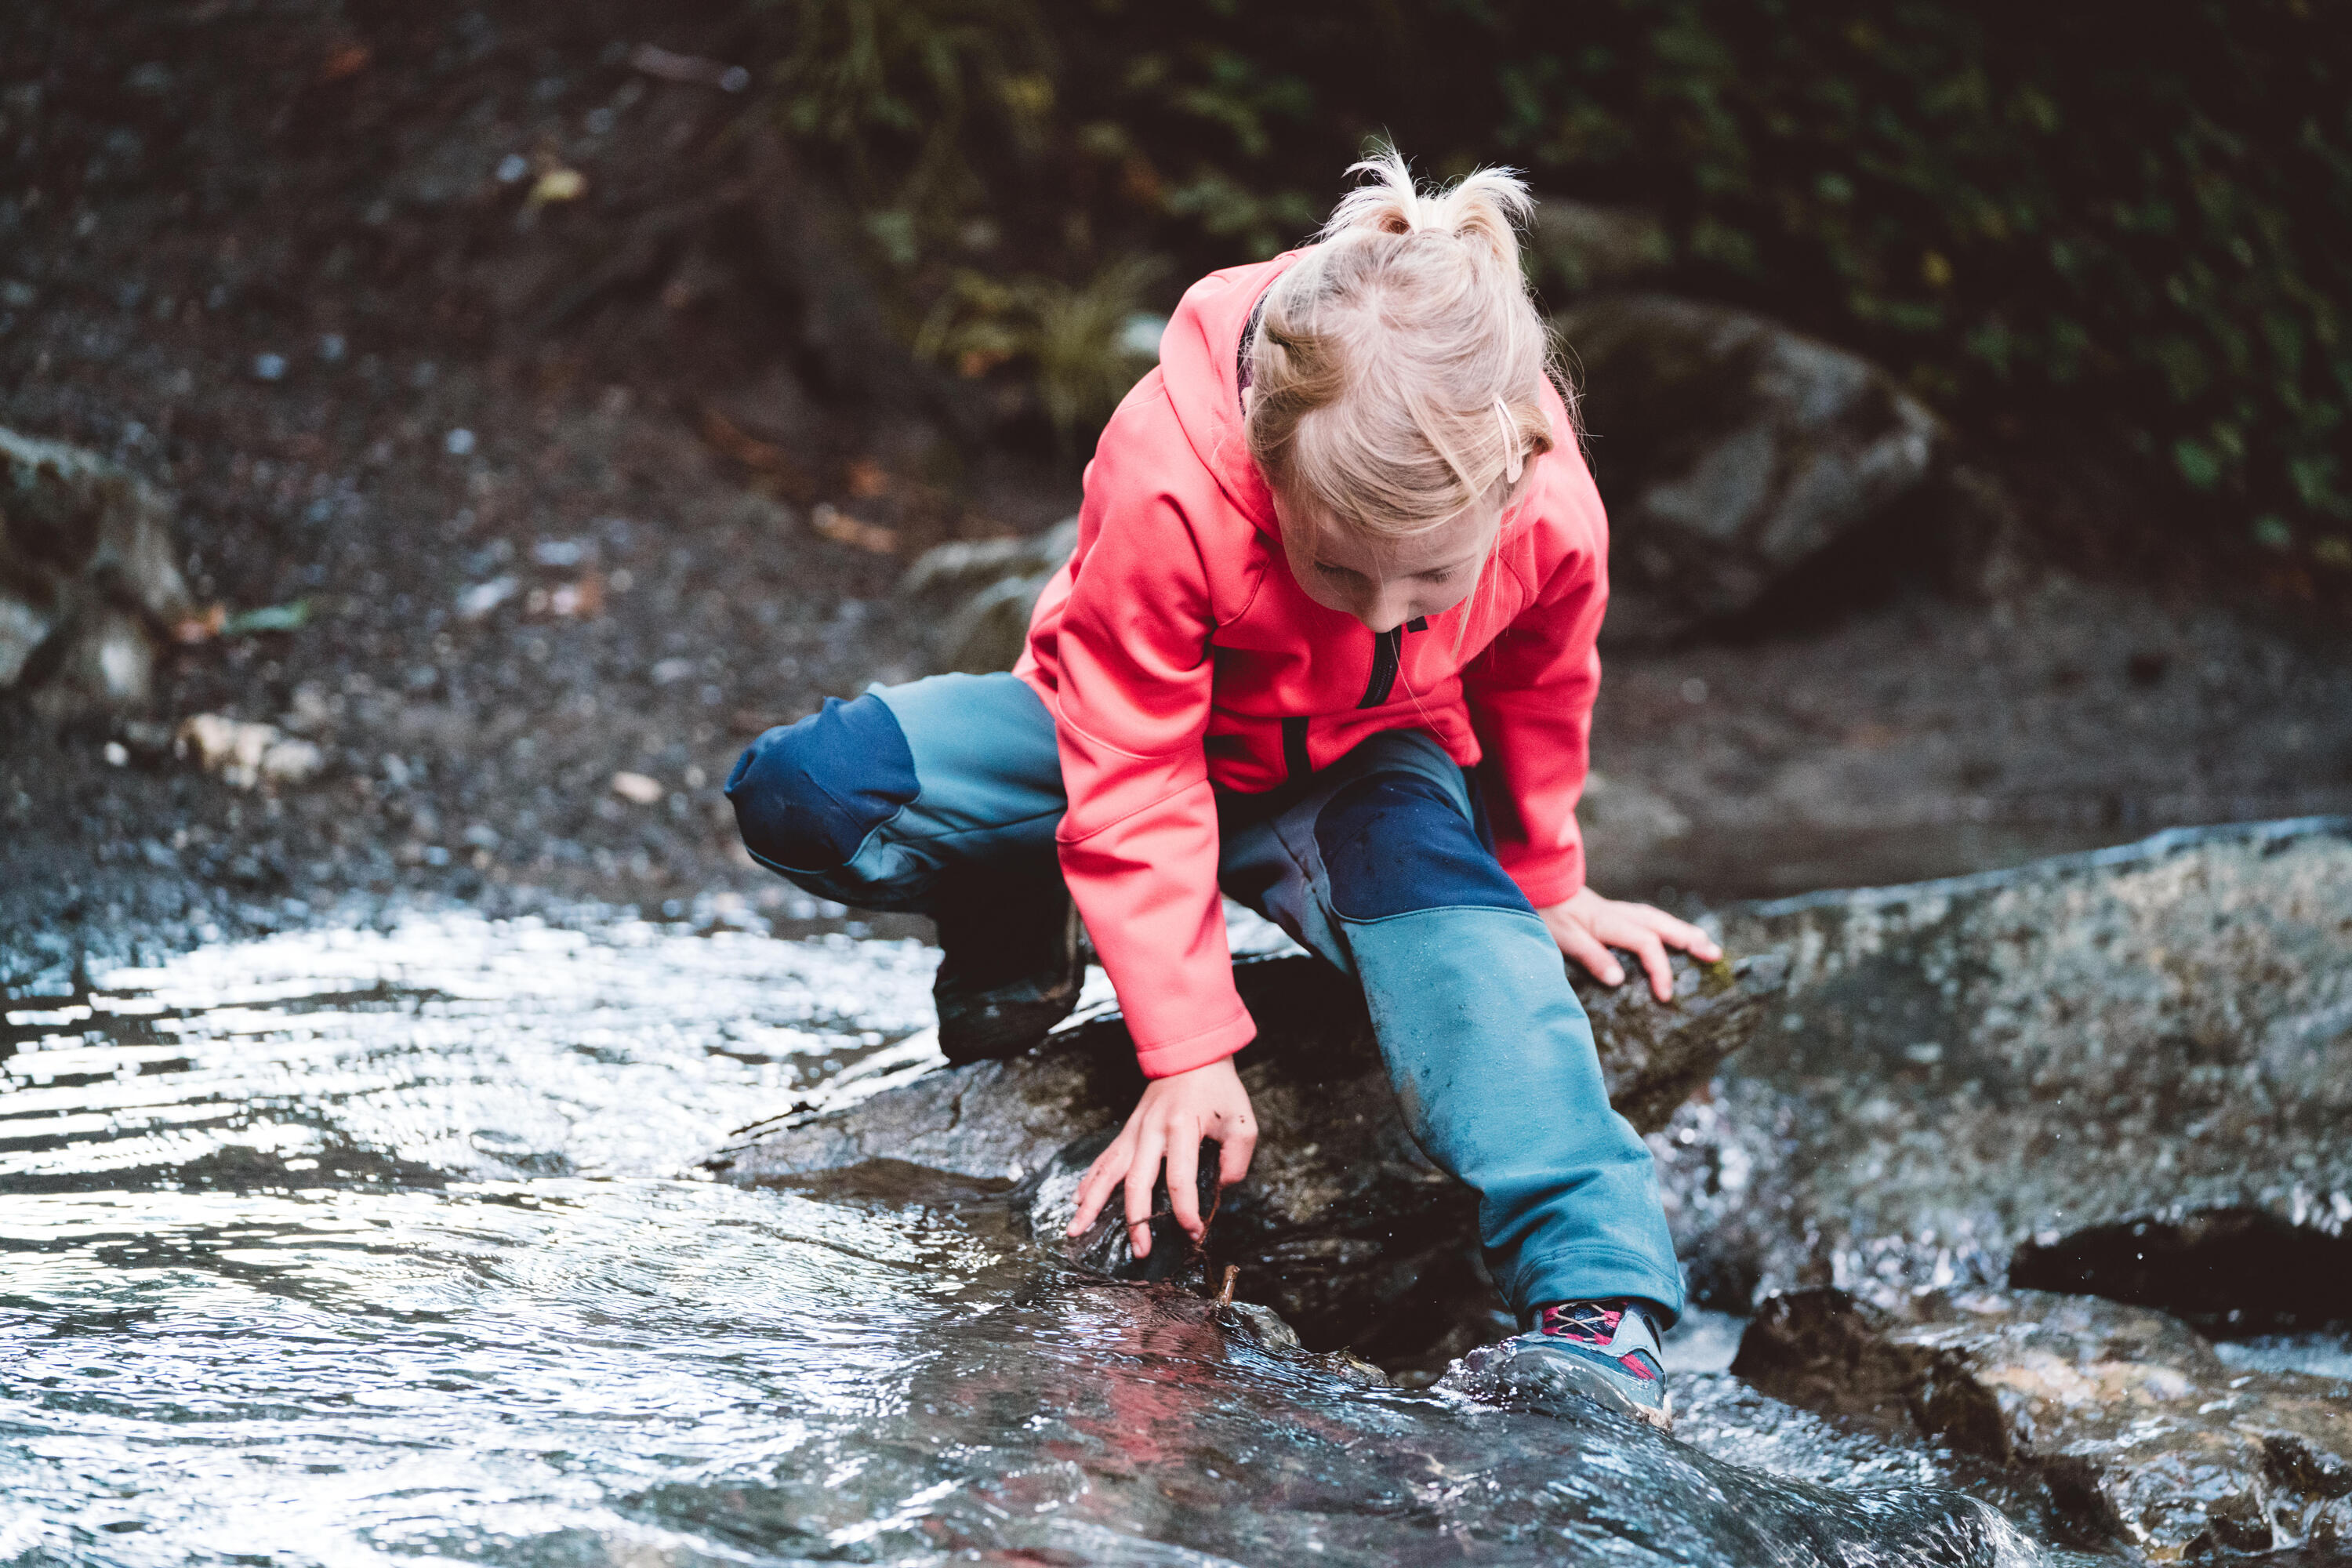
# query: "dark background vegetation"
[[2084, 232], [726, 352]]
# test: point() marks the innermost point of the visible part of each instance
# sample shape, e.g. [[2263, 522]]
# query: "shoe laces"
[[1595, 1324]]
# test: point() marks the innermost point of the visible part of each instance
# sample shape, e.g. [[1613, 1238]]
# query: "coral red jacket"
[[1177, 652]]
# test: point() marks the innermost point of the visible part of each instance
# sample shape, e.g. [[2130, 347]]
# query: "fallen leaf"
[[347, 61], [730, 439], [637, 788], [868, 479], [843, 529], [203, 626], [557, 185], [584, 600]]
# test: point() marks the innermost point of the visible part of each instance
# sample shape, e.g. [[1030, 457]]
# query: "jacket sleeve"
[[1138, 843], [1530, 696]]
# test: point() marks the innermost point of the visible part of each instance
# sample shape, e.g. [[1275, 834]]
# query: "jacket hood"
[[1199, 368]]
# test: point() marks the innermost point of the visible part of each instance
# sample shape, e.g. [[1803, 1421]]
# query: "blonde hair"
[[1399, 364]]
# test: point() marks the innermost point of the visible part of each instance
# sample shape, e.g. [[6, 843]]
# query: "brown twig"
[[1226, 1291]]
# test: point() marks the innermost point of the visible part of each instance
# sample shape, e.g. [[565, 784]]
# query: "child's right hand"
[[1168, 1124]]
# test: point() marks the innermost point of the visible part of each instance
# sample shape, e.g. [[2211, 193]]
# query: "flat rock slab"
[[2139, 1431], [2062, 1067], [1344, 1227]]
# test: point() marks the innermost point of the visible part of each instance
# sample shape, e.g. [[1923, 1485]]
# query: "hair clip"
[[1515, 462]]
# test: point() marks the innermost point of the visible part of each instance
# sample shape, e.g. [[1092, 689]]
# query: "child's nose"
[[1388, 610]]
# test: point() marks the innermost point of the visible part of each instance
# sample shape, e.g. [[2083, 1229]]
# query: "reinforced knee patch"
[[1394, 843], [807, 794]]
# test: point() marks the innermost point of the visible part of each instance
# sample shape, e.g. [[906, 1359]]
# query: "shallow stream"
[[387, 1243]]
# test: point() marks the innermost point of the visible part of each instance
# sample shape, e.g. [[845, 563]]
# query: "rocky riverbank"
[[492, 499], [1901, 1104]]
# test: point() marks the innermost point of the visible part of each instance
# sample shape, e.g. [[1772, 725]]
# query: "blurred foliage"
[[1080, 342], [2065, 226]]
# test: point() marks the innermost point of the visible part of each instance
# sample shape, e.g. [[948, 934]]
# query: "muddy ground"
[[285, 261]]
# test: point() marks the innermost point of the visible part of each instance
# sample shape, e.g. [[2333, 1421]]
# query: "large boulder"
[[1732, 451], [2128, 1072], [88, 579], [980, 593], [1578, 246], [2137, 1429], [1344, 1227]]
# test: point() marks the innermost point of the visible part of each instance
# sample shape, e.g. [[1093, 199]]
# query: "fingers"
[[1140, 1174], [1681, 934], [1236, 1142], [1101, 1177], [1184, 1176], [1588, 950], [1647, 946]]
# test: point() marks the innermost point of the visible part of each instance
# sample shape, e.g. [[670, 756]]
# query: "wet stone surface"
[[1345, 1227], [372, 1243], [2138, 1428], [2060, 1069]]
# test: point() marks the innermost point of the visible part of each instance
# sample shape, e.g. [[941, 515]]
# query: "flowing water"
[[367, 1245]]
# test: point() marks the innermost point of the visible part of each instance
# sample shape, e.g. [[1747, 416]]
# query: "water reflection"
[[357, 1246]]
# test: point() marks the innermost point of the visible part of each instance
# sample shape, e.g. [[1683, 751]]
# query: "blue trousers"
[[1378, 863]]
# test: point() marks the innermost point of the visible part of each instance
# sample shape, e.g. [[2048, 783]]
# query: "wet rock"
[[983, 590], [2142, 1050], [1344, 1227], [1732, 452], [2138, 1430], [88, 579]]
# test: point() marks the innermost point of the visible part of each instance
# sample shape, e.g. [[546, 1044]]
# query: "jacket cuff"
[[1166, 1058], [1552, 880]]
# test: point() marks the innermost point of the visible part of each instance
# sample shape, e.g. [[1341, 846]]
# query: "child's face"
[[1386, 583]]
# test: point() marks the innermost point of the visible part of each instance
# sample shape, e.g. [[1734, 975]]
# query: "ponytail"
[[1484, 209], [1400, 363]]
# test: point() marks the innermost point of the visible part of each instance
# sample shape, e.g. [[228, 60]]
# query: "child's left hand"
[[1587, 925]]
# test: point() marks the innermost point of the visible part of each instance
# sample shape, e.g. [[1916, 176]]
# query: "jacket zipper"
[[1387, 652], [1384, 667]]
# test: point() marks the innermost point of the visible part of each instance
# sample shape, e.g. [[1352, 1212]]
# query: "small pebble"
[[458, 443], [268, 367], [637, 789]]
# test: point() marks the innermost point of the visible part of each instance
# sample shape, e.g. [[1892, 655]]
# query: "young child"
[[1326, 643]]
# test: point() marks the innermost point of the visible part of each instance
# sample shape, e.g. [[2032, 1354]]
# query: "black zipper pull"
[[1386, 648]]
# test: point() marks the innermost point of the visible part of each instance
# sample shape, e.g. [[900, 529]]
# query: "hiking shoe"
[[1012, 959], [1606, 1351]]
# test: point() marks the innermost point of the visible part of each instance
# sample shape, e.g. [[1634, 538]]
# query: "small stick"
[[1225, 1292]]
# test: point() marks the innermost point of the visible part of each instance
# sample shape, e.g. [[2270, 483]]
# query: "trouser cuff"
[[1591, 1274]]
